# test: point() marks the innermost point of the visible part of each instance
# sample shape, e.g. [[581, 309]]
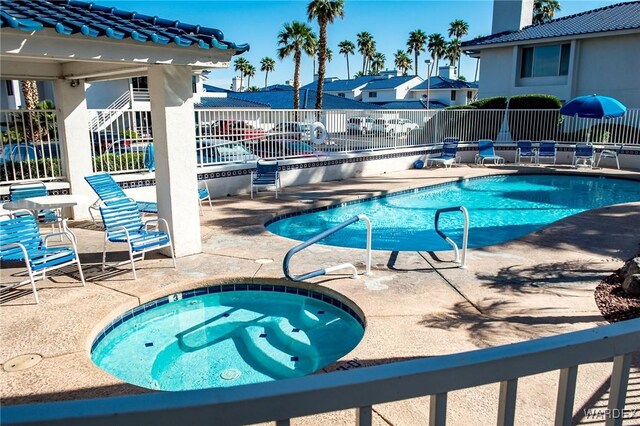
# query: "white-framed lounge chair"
[[449, 154], [123, 224], [486, 152], [20, 241], [203, 195], [583, 155], [109, 192], [266, 174], [547, 150], [524, 149], [610, 153]]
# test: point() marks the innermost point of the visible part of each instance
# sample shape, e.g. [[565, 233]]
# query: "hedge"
[[117, 162], [30, 169], [534, 101]]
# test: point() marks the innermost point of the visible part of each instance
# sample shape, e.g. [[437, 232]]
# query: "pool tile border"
[[221, 288]]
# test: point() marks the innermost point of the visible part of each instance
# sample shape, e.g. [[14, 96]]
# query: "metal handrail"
[[320, 236], [465, 233]]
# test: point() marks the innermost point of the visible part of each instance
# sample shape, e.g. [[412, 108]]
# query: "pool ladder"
[[465, 233], [320, 236]]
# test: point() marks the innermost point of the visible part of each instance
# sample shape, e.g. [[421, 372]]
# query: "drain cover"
[[263, 261], [230, 374], [22, 362]]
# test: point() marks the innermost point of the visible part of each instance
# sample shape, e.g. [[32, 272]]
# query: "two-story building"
[[590, 52]]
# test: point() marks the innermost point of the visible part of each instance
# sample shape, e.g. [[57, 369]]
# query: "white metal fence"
[[29, 145], [362, 388], [30, 148]]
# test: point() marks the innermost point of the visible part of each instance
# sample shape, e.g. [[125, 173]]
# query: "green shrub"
[[117, 162], [30, 169], [497, 102], [534, 102], [129, 134], [470, 106]]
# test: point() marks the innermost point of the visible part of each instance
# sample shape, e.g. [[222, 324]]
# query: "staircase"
[[101, 119]]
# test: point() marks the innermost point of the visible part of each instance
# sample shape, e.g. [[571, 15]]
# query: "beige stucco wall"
[[603, 65]]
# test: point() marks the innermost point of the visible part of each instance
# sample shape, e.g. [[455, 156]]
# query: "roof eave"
[[476, 48]]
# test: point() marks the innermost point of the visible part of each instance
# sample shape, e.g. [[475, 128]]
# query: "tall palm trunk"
[[415, 55], [32, 130], [266, 75], [459, 57], [240, 88], [322, 59], [348, 72], [296, 80]]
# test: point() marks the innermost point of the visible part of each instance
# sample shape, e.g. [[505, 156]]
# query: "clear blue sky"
[[258, 23]]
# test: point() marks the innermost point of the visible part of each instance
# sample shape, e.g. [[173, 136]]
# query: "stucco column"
[[174, 139], [73, 129]]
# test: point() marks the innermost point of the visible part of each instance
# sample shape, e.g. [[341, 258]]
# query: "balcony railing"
[[363, 388]]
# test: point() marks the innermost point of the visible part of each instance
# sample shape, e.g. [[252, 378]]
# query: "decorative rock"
[[631, 267], [631, 285]]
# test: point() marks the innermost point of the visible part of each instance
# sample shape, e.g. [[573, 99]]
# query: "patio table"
[[46, 202]]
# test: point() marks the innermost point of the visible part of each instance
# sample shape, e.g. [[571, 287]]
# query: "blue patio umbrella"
[[150, 157], [593, 106]]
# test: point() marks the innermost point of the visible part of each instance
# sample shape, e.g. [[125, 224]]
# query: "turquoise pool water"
[[227, 338], [501, 208]]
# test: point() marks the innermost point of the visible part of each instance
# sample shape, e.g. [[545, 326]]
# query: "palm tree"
[[366, 47], [437, 46], [377, 62], [295, 38], [458, 29], [250, 72], [267, 65], [329, 55], [544, 10], [347, 48], [240, 64], [313, 53], [325, 11], [402, 61], [453, 51], [358, 74], [416, 44]]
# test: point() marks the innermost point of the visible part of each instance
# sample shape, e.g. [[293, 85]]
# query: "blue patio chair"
[[110, 193], [610, 153], [583, 155], [547, 150], [123, 224], [266, 174], [487, 152], [525, 150], [22, 190], [449, 154], [21, 242], [203, 195]]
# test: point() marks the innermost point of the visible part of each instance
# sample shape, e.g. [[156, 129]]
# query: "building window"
[[545, 61], [373, 94], [453, 95], [341, 95], [9, 85], [469, 95]]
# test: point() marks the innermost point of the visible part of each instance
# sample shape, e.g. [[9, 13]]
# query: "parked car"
[[360, 125], [290, 131], [393, 126], [19, 151], [280, 149], [234, 130], [217, 151]]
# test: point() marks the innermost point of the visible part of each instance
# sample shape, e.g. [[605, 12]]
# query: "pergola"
[[73, 43]]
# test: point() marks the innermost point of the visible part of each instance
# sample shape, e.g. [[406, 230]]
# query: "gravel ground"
[[614, 304]]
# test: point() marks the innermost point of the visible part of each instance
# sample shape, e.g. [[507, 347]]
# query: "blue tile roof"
[[445, 83], [621, 16], [280, 99], [382, 83], [214, 89], [277, 87], [206, 102], [342, 85], [92, 20]]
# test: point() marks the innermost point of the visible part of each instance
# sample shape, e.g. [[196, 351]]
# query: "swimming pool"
[[227, 335], [501, 208]]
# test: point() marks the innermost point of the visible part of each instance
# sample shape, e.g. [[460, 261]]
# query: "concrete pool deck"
[[415, 306]]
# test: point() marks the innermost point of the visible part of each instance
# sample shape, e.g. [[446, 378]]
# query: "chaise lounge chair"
[[448, 157], [487, 152], [110, 193]]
